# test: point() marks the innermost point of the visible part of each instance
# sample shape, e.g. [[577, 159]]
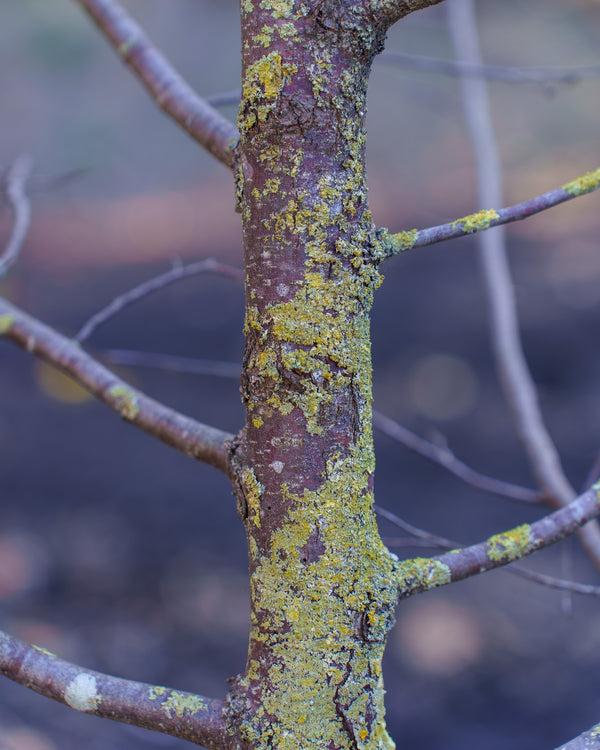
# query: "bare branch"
[[191, 717], [589, 740], [170, 91], [202, 442], [14, 191], [225, 98], [446, 459], [422, 574], [153, 285], [519, 388], [427, 539], [399, 242], [543, 76], [172, 363], [390, 11]]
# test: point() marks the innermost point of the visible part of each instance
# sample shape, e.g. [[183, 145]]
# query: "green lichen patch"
[[421, 574], [399, 242], [476, 222], [183, 704], [325, 587], [262, 84], [253, 491], [174, 703], [126, 401], [584, 184], [6, 323], [510, 545], [278, 8], [154, 693]]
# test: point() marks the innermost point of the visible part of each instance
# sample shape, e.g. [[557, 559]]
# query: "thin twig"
[[185, 715], [421, 574], [503, 73], [481, 221], [200, 441], [172, 363], [427, 539], [169, 90], [16, 197], [153, 285], [519, 388], [225, 98], [445, 458], [545, 76]]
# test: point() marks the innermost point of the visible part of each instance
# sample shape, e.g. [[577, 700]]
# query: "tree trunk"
[[322, 582]]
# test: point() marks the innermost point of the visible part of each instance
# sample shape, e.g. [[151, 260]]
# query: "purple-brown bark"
[[323, 585]]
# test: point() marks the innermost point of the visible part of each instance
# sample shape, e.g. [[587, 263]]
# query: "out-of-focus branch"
[[202, 442], [172, 363], [13, 190], [170, 91], [517, 382], [153, 285], [589, 740], [543, 76], [191, 717], [421, 574], [446, 459], [427, 539], [394, 244]]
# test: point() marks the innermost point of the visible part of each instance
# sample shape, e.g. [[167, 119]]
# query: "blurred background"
[[127, 557]]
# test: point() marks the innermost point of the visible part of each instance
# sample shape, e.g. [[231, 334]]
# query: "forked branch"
[[185, 715], [427, 539], [170, 91], [200, 441], [445, 458], [154, 284], [422, 574], [516, 379], [488, 218]]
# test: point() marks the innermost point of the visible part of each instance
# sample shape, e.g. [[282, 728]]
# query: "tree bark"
[[322, 583]]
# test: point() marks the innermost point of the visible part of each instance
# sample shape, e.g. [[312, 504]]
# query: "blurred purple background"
[[128, 558]]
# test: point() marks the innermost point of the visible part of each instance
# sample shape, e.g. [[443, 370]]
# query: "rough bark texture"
[[322, 583]]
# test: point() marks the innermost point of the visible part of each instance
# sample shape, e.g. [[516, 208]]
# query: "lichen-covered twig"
[[517, 382], [422, 574], [202, 442], [486, 219], [427, 539], [185, 715], [446, 459], [170, 91], [589, 740], [153, 285], [13, 190]]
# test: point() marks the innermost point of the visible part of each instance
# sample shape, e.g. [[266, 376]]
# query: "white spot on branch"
[[81, 693]]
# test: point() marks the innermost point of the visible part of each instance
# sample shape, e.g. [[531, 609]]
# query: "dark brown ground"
[[126, 557]]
